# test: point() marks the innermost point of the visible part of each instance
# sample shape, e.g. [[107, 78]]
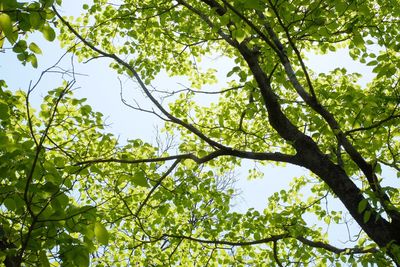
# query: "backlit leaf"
[[35, 48], [48, 33], [101, 233]]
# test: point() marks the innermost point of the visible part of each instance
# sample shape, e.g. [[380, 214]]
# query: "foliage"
[[17, 19], [72, 195]]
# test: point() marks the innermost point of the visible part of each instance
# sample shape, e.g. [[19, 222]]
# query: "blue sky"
[[101, 86]]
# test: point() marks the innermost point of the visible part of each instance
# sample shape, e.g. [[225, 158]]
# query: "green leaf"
[[4, 115], [253, 4], [6, 27], [36, 20], [76, 255], [35, 48], [341, 6], [358, 40], [140, 179], [81, 259], [268, 13], [63, 200], [50, 187], [44, 261], [362, 205], [20, 46], [2, 38], [327, 220], [33, 60], [86, 109], [23, 56], [239, 35], [10, 204], [101, 233], [47, 3], [367, 216], [221, 121], [234, 70], [6, 24], [48, 33]]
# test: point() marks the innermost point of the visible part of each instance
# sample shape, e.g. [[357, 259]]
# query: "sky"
[[102, 87]]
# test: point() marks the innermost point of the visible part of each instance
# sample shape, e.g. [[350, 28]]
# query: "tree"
[[20, 18], [73, 195]]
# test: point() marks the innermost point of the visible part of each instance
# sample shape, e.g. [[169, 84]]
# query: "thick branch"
[[136, 75], [309, 153], [354, 154], [29, 179], [223, 150]]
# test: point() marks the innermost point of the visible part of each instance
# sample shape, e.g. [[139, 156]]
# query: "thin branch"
[[275, 238], [230, 243], [32, 88], [31, 171], [251, 24], [174, 119], [165, 175], [336, 250], [40, 144], [297, 52], [275, 250], [187, 89], [137, 107], [354, 154], [374, 125]]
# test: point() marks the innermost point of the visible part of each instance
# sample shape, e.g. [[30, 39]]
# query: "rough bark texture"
[[310, 156]]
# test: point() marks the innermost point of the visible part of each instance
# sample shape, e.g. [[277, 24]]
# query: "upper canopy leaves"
[[69, 188]]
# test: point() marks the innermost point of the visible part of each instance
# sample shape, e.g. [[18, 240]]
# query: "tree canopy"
[[72, 194]]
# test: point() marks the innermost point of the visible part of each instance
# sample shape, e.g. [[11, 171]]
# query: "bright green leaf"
[[48, 33], [36, 20], [20, 46], [101, 233], [33, 60], [140, 179], [35, 48], [6, 24], [4, 115]]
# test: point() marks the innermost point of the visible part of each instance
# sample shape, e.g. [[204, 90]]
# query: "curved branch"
[[147, 92], [374, 125], [309, 154], [357, 158], [275, 251], [312, 101], [231, 243], [29, 178], [279, 157], [336, 250], [165, 175], [275, 238], [297, 52], [223, 150]]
